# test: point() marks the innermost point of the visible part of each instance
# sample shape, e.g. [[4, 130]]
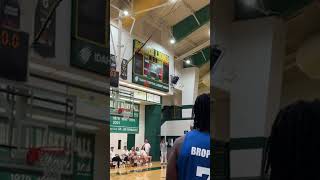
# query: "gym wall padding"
[[152, 129], [131, 141]]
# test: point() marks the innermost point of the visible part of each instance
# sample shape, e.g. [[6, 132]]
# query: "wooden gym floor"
[[154, 172]]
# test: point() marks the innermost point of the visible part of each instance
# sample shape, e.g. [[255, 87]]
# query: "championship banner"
[[123, 125], [10, 14], [89, 36], [120, 124], [45, 46], [150, 67]]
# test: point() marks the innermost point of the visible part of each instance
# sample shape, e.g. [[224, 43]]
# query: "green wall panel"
[[131, 141], [152, 129], [198, 60], [188, 25]]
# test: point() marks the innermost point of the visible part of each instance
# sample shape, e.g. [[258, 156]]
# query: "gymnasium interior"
[[165, 45]]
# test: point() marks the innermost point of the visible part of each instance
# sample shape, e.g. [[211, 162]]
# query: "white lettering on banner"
[[100, 58], [200, 152], [19, 177]]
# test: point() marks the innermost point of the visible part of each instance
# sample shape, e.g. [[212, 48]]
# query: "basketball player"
[[190, 155]]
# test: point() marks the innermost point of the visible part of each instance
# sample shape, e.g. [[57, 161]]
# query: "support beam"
[[193, 51], [152, 8], [191, 11]]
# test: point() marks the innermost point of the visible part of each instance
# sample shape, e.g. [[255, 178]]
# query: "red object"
[[146, 84], [33, 156], [120, 110]]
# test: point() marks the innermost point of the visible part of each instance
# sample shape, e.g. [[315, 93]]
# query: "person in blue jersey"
[[190, 155]]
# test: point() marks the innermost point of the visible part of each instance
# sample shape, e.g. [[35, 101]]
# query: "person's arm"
[[172, 171]]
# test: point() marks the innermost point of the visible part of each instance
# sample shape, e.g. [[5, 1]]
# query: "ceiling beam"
[[191, 11], [193, 51], [202, 17]]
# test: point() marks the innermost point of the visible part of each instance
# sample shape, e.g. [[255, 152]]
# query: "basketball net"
[[125, 113]]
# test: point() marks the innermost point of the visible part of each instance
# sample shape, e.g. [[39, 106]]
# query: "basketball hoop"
[[53, 160], [120, 110]]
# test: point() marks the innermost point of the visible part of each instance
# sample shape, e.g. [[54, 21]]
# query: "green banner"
[[83, 159], [89, 57], [148, 82], [89, 45], [123, 125], [17, 176]]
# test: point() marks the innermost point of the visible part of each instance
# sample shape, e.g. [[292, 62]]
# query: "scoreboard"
[[150, 67], [13, 54]]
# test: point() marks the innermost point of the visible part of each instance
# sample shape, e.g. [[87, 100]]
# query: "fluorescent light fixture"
[[188, 61], [125, 13], [172, 41], [130, 85]]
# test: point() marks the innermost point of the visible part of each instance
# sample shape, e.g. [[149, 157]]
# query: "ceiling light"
[[172, 1], [126, 13], [250, 3], [188, 61], [172, 41]]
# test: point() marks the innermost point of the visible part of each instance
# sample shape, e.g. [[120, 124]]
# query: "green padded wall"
[[131, 141], [152, 129]]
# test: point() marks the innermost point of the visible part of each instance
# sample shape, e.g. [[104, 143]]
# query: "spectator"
[[146, 146], [163, 149]]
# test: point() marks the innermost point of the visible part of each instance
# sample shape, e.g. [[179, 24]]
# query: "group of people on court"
[[135, 155], [189, 158]]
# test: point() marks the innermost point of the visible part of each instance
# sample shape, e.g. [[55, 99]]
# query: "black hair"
[[293, 142], [201, 113]]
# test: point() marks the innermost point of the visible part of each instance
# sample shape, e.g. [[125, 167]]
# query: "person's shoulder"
[[178, 143], [179, 140]]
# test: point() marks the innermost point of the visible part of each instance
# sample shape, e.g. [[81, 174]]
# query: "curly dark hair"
[[201, 113]]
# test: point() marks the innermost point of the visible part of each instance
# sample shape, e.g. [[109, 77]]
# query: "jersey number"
[[203, 171]]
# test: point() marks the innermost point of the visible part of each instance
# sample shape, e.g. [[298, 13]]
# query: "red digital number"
[[4, 38], [15, 41]]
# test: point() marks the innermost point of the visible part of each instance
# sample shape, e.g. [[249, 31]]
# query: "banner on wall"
[[89, 47], [124, 69], [123, 125], [83, 158], [45, 46], [119, 124], [10, 14], [150, 68]]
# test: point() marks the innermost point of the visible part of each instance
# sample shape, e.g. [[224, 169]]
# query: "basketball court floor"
[[156, 171]]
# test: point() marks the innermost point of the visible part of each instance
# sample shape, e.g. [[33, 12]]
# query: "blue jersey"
[[194, 157]]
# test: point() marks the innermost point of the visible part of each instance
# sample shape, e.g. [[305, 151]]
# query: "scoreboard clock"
[[150, 67], [13, 54]]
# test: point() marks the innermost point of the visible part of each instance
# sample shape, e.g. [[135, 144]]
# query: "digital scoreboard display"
[[151, 68], [13, 54]]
